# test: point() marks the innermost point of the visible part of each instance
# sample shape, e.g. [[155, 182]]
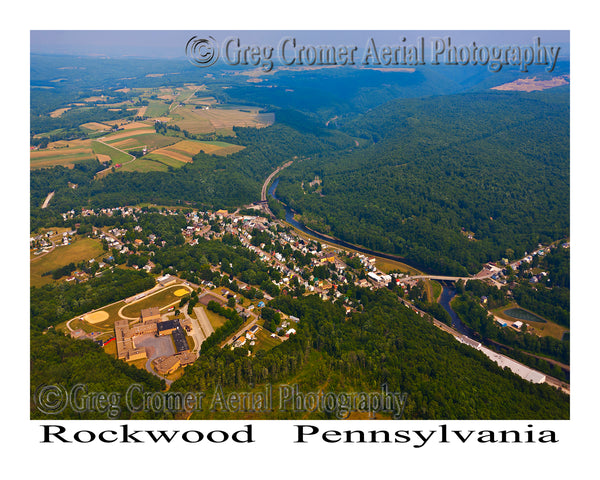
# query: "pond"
[[520, 314]]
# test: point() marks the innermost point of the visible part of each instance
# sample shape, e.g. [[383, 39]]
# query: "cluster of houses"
[[42, 243]]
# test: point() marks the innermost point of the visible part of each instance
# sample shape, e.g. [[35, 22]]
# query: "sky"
[[171, 43]]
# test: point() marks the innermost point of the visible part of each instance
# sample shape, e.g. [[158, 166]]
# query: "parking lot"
[[155, 346]]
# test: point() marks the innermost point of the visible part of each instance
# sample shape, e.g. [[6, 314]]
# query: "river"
[[289, 218], [445, 298]]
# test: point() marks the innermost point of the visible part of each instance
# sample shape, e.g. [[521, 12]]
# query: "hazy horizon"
[[171, 43]]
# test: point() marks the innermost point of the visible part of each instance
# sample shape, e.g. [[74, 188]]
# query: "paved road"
[[263, 193], [48, 198]]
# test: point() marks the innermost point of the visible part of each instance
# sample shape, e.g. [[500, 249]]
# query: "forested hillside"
[[450, 182], [386, 344]]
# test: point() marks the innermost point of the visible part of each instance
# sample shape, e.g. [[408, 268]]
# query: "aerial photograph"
[[299, 225]]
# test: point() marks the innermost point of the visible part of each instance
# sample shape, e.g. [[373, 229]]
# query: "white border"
[[276, 456]]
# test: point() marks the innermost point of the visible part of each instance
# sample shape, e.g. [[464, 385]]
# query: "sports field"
[[96, 317], [161, 299]]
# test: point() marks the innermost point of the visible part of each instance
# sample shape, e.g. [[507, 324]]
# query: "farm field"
[[145, 164], [184, 150], [121, 134], [58, 155], [141, 138], [82, 249], [58, 112], [165, 160], [156, 109], [115, 155], [219, 120], [95, 126]]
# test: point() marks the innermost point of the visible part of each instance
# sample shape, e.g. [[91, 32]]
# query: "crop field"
[[220, 120], [66, 156], [184, 150], [127, 133], [58, 112], [156, 108], [95, 126], [168, 161], [119, 121], [102, 98], [201, 101], [150, 140], [80, 250], [144, 164], [188, 119], [115, 155]]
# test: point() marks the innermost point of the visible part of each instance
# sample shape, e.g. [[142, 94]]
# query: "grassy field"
[[80, 250], [145, 164], [215, 319], [264, 340], [386, 265], [186, 118], [543, 329], [436, 290], [115, 155], [168, 161], [156, 108], [160, 299]]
